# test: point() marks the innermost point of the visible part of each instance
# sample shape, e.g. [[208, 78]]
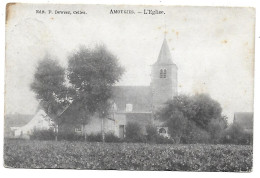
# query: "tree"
[[184, 104], [176, 114], [48, 85], [187, 116], [92, 74], [206, 109], [174, 120]]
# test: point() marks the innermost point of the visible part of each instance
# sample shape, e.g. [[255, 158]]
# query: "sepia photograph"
[[129, 87]]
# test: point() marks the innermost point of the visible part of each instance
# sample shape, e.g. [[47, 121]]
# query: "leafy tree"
[[174, 120], [48, 85], [183, 104], [187, 116], [206, 109], [92, 74]]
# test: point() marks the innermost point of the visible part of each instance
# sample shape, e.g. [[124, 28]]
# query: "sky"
[[213, 48]]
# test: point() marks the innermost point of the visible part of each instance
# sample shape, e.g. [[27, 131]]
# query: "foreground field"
[[126, 156]]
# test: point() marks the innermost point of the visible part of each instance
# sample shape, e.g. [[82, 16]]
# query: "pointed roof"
[[165, 55]]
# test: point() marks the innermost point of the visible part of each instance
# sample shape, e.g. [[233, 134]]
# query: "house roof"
[[40, 116], [139, 96], [17, 120], [244, 119], [164, 55], [73, 113]]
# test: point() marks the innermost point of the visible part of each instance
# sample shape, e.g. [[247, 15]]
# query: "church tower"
[[163, 78]]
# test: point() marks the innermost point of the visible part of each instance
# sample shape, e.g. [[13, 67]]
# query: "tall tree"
[[48, 85], [92, 74]]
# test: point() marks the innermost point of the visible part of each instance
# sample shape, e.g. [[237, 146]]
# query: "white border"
[[4, 172]]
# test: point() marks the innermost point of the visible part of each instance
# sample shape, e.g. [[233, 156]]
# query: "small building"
[[41, 121], [15, 121], [244, 120]]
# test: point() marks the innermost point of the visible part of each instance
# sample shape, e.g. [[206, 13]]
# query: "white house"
[[41, 121]]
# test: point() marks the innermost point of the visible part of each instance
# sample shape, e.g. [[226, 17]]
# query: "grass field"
[[126, 156]]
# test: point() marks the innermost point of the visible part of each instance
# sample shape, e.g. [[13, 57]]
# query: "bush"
[[50, 135], [159, 139], [236, 135], [70, 137], [94, 137], [194, 134], [110, 137], [154, 137], [134, 133], [42, 135], [246, 139]]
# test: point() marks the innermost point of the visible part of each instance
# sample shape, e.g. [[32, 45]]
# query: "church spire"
[[164, 78], [164, 55]]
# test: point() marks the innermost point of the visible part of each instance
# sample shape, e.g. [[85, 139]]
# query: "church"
[[131, 103], [128, 104]]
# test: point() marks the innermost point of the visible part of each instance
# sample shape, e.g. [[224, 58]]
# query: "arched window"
[[161, 73], [164, 73]]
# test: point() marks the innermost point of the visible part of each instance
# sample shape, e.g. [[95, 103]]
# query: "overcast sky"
[[212, 47]]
